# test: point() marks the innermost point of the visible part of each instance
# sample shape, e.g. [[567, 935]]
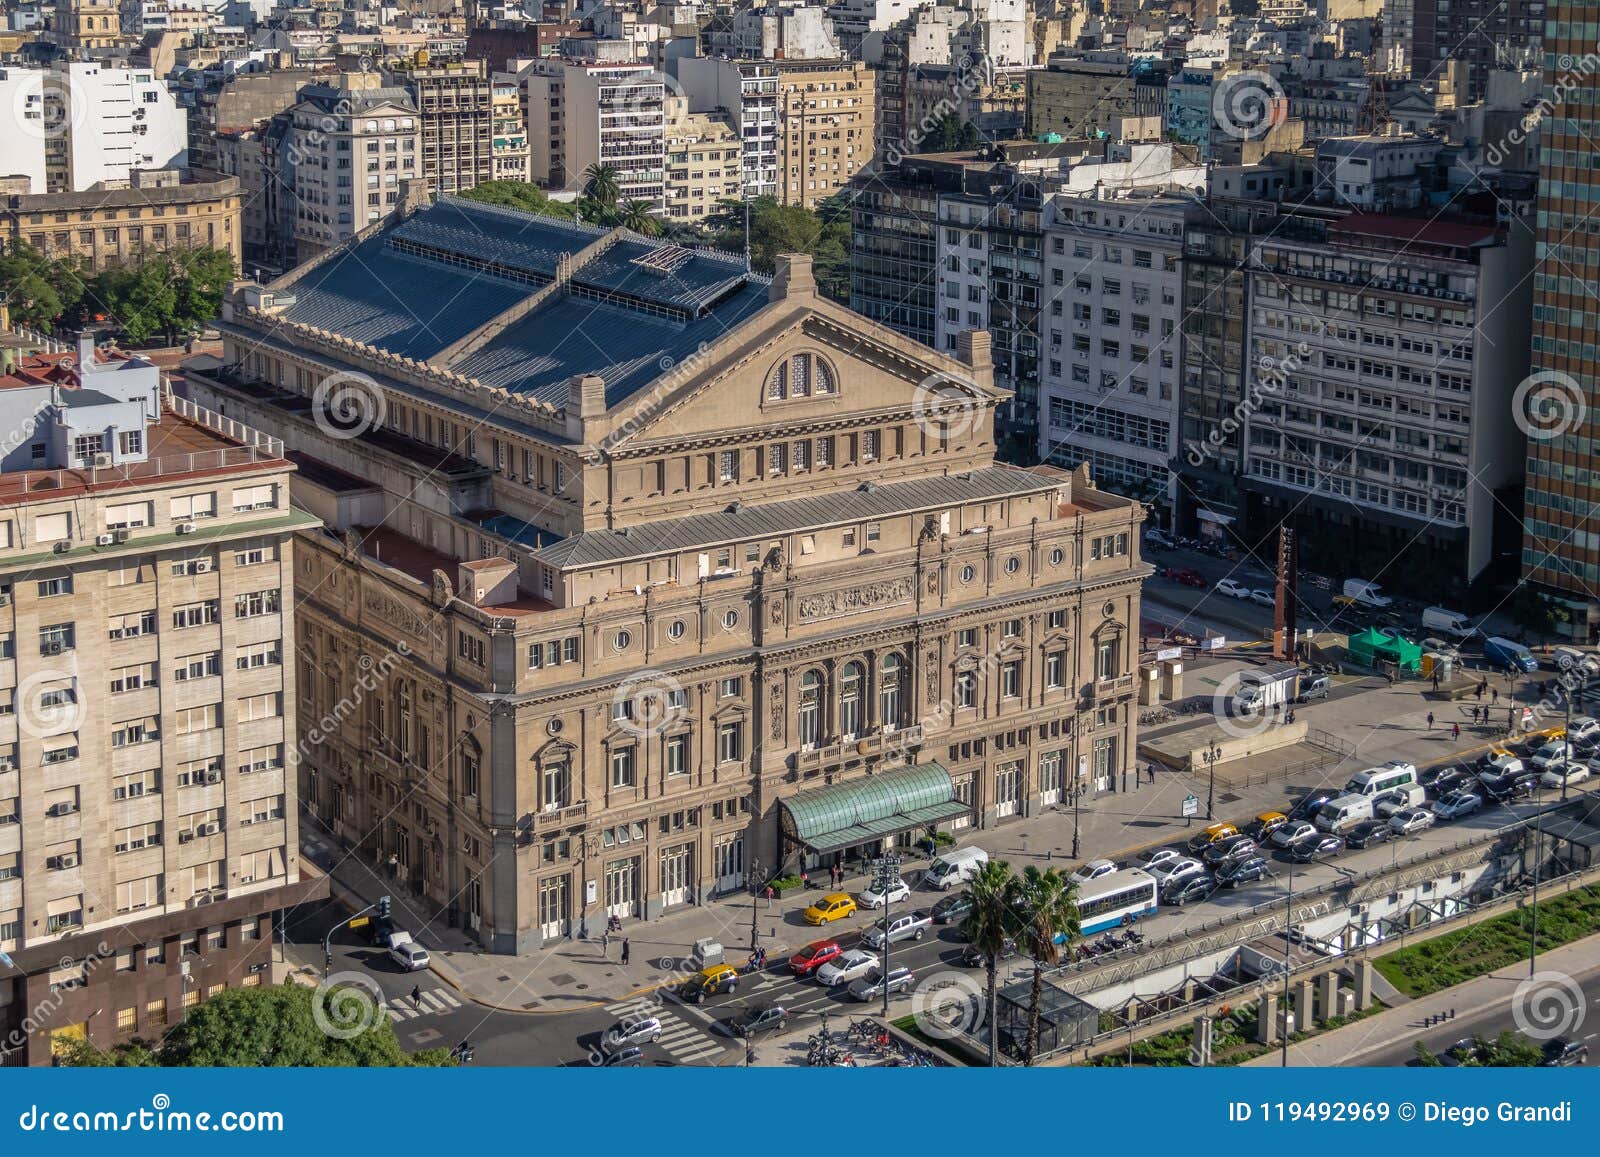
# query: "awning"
[[826, 819], [1213, 516]]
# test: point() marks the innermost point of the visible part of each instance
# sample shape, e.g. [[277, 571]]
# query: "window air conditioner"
[[103, 540]]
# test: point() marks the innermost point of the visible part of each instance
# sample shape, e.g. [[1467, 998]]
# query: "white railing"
[[227, 427]]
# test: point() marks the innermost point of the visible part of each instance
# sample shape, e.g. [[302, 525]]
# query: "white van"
[[1396, 773], [1452, 623], [1344, 813], [955, 867]]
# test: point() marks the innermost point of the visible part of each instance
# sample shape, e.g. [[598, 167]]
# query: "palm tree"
[[636, 215], [1046, 904], [990, 922], [601, 183]]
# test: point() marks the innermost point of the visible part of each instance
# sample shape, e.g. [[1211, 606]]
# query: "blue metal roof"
[[408, 306], [523, 242], [699, 280]]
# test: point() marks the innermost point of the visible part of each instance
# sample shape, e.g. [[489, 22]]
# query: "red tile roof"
[[1428, 232]]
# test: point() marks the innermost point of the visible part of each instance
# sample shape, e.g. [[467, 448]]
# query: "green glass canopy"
[[842, 815]]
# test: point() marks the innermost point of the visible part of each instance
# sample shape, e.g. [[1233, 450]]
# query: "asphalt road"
[[1488, 1022]]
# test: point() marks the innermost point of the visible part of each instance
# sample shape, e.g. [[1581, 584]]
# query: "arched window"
[[802, 375], [889, 691], [403, 719], [778, 383], [821, 377], [850, 701], [810, 709]]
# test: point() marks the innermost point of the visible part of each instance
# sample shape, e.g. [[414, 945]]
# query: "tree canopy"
[[266, 1028], [775, 229], [519, 195]]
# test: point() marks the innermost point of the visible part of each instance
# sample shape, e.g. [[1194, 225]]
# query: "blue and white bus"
[[1103, 903]]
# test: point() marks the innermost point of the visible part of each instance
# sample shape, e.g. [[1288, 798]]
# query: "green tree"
[[776, 229], [520, 195], [41, 290], [1046, 904], [950, 134], [990, 923], [636, 215], [266, 1028], [601, 184]]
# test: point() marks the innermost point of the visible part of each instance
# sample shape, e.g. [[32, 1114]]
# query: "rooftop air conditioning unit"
[[202, 566], [63, 546], [122, 534], [102, 460], [68, 860], [185, 528], [103, 540]]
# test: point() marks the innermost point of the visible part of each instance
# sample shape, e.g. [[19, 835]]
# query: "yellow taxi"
[[1269, 822], [712, 980], [833, 906], [1219, 831]]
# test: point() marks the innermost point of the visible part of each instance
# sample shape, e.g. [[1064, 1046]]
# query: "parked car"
[[972, 958], [1564, 1052], [872, 985], [850, 965], [1548, 754], [758, 1019], [1317, 848], [1237, 873], [1437, 646], [1499, 762], [1157, 539], [631, 1032], [1504, 788], [813, 956], [1410, 821], [1306, 807], [1202, 840], [874, 896], [1457, 804], [1264, 598], [631, 1057], [1564, 774], [1152, 858], [906, 926], [1451, 780], [1234, 590], [1188, 890], [407, 953], [1315, 687], [712, 980], [834, 906], [1386, 803], [1265, 824], [953, 908], [1292, 833], [1093, 870], [1584, 729], [1186, 577], [1369, 834], [1231, 848]]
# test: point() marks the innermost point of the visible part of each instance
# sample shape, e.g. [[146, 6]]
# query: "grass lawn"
[[1467, 953], [1170, 1049]]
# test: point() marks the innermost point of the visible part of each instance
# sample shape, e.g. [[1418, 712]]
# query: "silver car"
[[634, 1031], [872, 985]]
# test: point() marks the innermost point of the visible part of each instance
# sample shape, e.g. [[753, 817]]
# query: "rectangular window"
[[189, 720], [254, 707], [52, 587], [196, 614], [1011, 679], [191, 507], [254, 498], [249, 606], [198, 667], [256, 759], [258, 655], [730, 742], [127, 515], [677, 755], [622, 767]]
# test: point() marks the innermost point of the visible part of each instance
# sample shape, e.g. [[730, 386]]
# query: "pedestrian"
[[1455, 731], [1430, 721], [1494, 696], [1478, 691], [605, 943], [769, 897], [624, 950], [1436, 678], [416, 994], [805, 878], [1151, 768]]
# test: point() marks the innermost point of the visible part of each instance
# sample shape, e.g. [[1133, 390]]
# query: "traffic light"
[[384, 907]]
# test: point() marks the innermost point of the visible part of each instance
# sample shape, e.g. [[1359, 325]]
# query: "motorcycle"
[[462, 1053]]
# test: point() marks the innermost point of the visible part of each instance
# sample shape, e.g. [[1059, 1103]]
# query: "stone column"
[[1267, 1020], [1330, 994], [1200, 1052], [1304, 1015], [1363, 985]]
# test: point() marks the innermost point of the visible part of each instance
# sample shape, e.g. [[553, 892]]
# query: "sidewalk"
[[1347, 1045]]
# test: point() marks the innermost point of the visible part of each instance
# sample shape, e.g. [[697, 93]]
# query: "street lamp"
[[755, 899], [1538, 855], [1077, 797], [887, 876], [1212, 754]]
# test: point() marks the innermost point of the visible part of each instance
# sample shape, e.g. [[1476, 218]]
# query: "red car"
[[1186, 577], [813, 956]]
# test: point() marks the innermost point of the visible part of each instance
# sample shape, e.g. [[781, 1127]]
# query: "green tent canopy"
[[1373, 648]]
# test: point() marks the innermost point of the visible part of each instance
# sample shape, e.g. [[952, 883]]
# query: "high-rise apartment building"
[[148, 827], [508, 146], [1561, 548], [701, 564], [746, 92], [704, 162], [455, 110], [1078, 97]]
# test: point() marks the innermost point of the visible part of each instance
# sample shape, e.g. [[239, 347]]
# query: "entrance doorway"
[[622, 887]]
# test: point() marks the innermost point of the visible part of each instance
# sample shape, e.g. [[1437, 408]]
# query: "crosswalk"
[[680, 1040], [434, 1001]]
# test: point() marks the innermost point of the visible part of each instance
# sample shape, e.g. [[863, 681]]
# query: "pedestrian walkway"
[[434, 1001], [683, 1042]]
